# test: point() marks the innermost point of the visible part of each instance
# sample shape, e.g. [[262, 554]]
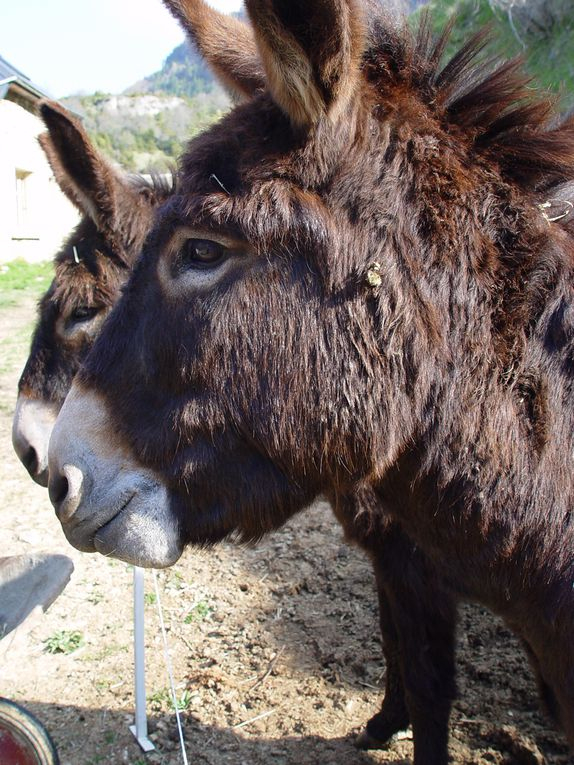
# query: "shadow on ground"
[[211, 745]]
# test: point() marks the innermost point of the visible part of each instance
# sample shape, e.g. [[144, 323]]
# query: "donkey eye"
[[82, 313], [200, 254]]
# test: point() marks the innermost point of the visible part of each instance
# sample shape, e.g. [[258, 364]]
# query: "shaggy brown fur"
[[392, 315]]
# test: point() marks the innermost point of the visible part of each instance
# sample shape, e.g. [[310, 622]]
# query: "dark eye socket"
[[199, 254], [83, 313]]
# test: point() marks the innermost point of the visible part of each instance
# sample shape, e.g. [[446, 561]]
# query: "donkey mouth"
[[144, 532], [82, 528], [133, 522]]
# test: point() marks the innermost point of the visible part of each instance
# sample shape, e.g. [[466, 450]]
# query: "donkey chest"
[[497, 555]]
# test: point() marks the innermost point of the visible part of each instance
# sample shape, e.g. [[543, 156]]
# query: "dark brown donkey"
[[91, 268], [363, 280], [66, 329]]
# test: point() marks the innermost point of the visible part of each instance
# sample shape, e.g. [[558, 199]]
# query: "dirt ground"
[[275, 650]]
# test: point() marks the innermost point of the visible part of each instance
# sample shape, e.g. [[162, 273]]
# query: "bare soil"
[[275, 650]]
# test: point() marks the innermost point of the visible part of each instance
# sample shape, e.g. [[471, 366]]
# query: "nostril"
[[30, 460], [65, 488], [58, 490]]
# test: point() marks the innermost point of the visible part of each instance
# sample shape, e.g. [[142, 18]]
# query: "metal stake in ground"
[[140, 728]]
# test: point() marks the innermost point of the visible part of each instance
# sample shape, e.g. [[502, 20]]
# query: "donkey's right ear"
[[89, 182], [312, 52], [226, 44]]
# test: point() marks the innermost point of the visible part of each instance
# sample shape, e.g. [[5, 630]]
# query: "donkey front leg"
[[551, 654], [425, 620], [393, 716], [418, 619]]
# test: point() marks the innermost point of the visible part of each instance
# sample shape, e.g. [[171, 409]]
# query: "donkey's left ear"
[[311, 51], [87, 179], [225, 42]]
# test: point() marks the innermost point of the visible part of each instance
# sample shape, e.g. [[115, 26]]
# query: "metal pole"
[[140, 728]]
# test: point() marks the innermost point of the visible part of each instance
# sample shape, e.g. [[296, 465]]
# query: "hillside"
[[147, 131], [183, 74], [146, 127]]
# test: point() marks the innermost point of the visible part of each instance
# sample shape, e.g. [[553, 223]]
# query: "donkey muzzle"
[[31, 428], [104, 500]]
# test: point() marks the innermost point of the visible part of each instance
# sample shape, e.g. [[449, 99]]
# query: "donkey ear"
[[311, 51], [226, 43], [89, 182]]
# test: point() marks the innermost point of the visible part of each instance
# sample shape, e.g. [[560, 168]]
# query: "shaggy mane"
[[487, 102]]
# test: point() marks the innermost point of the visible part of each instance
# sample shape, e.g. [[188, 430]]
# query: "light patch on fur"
[[310, 85], [226, 43], [290, 76], [77, 332]]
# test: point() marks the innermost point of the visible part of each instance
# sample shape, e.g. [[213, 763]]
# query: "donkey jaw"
[[141, 532], [104, 500]]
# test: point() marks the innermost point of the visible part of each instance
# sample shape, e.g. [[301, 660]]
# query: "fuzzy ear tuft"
[[89, 182], [311, 51], [226, 43]]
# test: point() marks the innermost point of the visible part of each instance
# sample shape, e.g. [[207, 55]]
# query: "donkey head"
[[97, 257], [91, 268], [292, 315]]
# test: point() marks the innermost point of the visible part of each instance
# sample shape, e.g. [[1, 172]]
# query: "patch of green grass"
[[64, 641], [95, 597], [20, 279], [162, 699], [150, 598], [105, 652], [13, 349], [184, 700], [159, 699], [174, 581], [198, 612]]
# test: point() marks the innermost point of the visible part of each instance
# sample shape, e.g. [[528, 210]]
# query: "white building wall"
[[34, 214]]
